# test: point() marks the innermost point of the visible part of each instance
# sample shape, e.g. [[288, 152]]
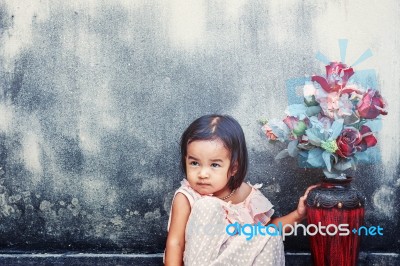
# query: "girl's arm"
[[176, 235], [297, 215]]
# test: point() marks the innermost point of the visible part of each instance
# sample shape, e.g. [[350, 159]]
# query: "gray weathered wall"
[[95, 94]]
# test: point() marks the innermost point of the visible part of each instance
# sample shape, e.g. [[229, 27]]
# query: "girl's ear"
[[235, 168]]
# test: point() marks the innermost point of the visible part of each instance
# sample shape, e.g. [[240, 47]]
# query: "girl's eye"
[[194, 163], [215, 165]]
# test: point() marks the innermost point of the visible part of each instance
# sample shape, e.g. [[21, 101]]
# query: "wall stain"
[[106, 90]]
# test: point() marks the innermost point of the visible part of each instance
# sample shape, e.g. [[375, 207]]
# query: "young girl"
[[213, 196]]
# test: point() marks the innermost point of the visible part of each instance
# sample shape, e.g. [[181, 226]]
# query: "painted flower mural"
[[334, 126]]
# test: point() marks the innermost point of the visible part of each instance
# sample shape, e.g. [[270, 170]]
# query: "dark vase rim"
[[337, 181]]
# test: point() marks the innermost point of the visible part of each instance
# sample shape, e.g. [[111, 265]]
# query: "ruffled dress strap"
[[260, 207], [256, 208]]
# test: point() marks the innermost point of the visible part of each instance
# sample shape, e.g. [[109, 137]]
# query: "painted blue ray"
[[363, 57], [366, 78], [343, 49], [321, 57]]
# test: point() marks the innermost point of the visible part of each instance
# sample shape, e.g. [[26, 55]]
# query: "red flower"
[[351, 141], [371, 105], [368, 139], [337, 75], [348, 142]]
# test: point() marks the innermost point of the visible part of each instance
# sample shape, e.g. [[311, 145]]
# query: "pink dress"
[[208, 243]]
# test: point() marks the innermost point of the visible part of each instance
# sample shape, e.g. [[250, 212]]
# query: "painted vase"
[[336, 211]]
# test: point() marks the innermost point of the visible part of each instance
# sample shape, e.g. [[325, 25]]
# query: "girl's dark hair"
[[228, 130]]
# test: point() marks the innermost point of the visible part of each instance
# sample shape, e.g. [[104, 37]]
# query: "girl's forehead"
[[207, 142], [212, 147]]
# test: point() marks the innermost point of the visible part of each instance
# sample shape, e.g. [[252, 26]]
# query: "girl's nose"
[[203, 173]]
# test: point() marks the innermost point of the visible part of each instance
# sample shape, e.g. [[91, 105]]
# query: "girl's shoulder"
[[188, 191], [242, 193]]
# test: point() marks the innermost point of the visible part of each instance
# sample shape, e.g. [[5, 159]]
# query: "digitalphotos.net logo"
[[252, 230]]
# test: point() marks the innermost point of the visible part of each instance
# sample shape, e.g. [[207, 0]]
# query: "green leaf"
[[262, 121], [312, 137], [343, 165], [329, 174], [300, 128], [310, 101], [337, 127], [292, 148], [351, 120], [313, 110], [327, 159], [334, 174], [305, 146], [315, 158], [282, 154]]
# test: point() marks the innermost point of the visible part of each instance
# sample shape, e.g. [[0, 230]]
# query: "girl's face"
[[207, 167]]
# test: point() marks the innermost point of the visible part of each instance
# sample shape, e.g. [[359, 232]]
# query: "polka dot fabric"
[[207, 243]]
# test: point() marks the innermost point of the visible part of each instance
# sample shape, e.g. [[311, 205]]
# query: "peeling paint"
[[155, 215], [384, 201]]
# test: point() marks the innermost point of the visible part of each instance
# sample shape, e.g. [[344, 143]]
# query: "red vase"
[[336, 208]]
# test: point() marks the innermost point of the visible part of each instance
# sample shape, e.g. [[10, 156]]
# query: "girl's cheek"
[[191, 171]]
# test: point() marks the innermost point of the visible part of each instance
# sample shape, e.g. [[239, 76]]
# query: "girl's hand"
[[301, 207], [295, 216]]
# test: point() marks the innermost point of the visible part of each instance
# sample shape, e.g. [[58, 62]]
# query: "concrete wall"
[[95, 94]]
